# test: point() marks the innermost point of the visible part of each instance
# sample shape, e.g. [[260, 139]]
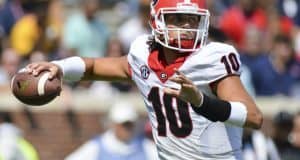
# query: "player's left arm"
[[232, 90], [233, 105]]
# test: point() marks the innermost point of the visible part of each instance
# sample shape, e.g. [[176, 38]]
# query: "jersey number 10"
[[176, 113], [234, 63]]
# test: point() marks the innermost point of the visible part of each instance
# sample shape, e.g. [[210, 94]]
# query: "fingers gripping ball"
[[35, 90]]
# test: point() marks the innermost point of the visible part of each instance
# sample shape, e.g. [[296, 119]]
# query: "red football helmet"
[[160, 29]]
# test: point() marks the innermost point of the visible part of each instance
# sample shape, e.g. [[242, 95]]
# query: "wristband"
[[238, 114], [73, 68], [213, 109]]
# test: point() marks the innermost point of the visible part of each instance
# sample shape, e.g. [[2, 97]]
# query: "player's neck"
[[170, 55]]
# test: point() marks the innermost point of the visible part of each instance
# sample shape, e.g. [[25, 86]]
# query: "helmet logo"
[[154, 2]]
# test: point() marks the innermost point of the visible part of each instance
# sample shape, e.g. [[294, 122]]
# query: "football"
[[35, 90]]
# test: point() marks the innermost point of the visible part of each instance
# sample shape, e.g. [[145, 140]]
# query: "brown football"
[[35, 90]]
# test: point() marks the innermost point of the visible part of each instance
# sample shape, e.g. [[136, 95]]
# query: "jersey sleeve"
[[137, 55], [224, 60]]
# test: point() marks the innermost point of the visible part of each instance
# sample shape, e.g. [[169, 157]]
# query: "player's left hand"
[[188, 91]]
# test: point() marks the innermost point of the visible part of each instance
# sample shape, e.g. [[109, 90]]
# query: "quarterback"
[[191, 88]]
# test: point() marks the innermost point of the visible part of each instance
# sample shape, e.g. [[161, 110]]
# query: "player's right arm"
[[77, 68], [109, 69]]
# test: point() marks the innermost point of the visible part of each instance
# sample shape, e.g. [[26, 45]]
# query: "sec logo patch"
[[145, 72]]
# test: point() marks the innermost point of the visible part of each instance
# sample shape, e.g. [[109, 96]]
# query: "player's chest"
[[151, 71], [156, 73], [147, 78]]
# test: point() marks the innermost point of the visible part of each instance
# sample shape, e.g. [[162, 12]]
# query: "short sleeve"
[[224, 61], [138, 54]]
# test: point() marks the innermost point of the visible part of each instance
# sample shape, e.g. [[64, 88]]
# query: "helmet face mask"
[[181, 26]]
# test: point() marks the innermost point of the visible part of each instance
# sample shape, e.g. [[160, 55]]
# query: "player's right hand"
[[188, 91], [37, 67]]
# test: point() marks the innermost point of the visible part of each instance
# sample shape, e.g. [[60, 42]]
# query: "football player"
[[191, 88]]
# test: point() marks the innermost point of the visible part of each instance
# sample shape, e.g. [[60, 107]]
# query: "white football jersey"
[[179, 132]]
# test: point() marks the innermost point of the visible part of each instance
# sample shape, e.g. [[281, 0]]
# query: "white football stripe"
[[12, 82], [42, 83]]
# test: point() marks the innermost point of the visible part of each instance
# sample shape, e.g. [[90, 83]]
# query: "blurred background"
[[266, 34]]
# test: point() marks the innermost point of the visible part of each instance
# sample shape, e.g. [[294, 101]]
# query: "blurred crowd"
[[281, 144], [266, 34]]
